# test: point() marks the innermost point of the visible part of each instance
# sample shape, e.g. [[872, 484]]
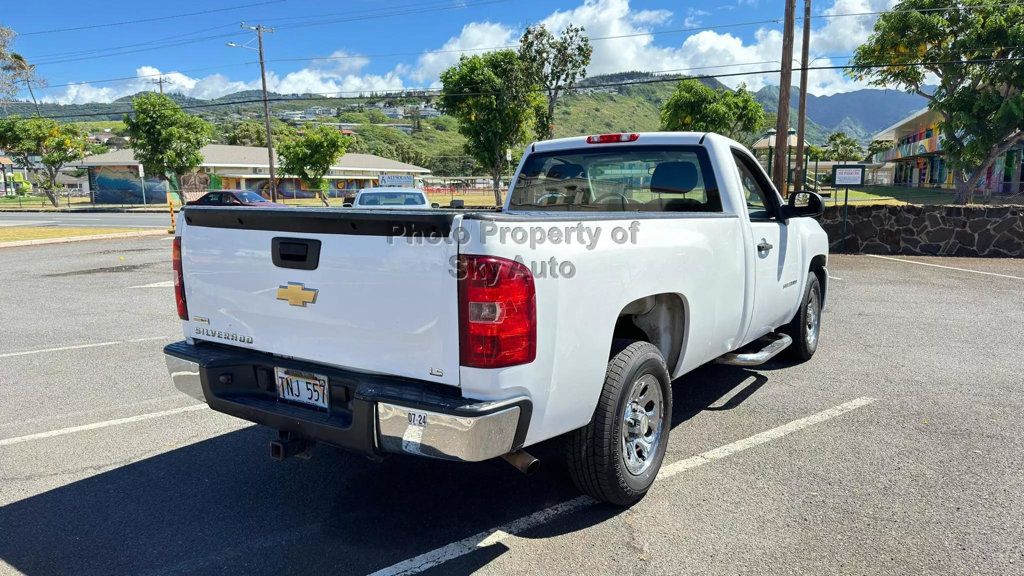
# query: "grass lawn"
[[16, 233]]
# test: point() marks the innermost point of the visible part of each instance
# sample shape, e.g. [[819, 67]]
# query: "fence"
[[73, 198]]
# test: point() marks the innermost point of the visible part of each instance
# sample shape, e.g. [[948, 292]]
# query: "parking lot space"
[[897, 448]]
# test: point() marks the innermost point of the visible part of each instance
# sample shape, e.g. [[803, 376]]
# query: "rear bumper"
[[370, 414]]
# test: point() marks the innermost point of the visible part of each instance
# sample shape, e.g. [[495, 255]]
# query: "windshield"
[[250, 197], [618, 178], [391, 199]]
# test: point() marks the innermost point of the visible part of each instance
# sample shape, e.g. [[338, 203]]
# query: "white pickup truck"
[[618, 263]]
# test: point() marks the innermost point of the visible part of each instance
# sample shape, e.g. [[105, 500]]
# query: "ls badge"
[[296, 294]]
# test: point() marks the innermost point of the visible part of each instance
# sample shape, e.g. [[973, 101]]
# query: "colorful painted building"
[[918, 158], [114, 176]]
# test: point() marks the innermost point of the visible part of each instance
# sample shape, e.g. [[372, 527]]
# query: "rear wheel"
[[805, 327], [617, 456]]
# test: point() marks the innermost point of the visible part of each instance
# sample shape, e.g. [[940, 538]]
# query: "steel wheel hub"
[[813, 316], [642, 423]]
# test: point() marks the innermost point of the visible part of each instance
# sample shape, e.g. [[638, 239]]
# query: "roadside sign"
[[142, 171], [403, 180], [848, 175]]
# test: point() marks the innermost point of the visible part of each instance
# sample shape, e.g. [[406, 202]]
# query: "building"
[[114, 176], [918, 159]]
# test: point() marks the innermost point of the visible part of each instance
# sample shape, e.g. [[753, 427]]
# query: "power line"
[[484, 49], [655, 80], [53, 55], [153, 19]]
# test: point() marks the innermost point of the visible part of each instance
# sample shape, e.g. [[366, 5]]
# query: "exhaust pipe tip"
[[522, 461]]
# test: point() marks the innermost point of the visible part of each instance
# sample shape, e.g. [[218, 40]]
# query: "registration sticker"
[[417, 419]]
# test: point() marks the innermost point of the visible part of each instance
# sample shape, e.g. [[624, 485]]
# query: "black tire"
[[597, 452], [800, 328]]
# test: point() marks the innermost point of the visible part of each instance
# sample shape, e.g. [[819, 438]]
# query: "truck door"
[[775, 251]]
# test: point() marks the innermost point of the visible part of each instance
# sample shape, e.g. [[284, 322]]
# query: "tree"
[[18, 69], [879, 146], [166, 141], [696, 107], [841, 147], [253, 133], [54, 144], [556, 64], [815, 152], [494, 98], [972, 49], [310, 155]]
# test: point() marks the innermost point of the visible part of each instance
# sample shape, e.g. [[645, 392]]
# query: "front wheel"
[[617, 456], [806, 325]]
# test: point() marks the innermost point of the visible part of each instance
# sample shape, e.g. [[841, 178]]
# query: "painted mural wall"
[[121, 185]]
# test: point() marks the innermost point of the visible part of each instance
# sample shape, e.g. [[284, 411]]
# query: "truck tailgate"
[[371, 300]]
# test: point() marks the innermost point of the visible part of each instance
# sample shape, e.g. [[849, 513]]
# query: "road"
[[896, 449], [100, 219]]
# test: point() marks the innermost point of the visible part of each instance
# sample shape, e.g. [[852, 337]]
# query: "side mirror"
[[435, 205], [804, 204]]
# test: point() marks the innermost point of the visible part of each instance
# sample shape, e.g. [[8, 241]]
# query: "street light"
[[260, 29]]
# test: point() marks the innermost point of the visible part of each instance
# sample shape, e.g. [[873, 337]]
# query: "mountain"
[[861, 113], [595, 107]]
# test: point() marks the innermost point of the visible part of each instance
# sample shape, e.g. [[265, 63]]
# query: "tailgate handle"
[[297, 253]]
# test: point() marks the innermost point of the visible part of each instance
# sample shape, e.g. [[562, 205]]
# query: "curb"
[[115, 235]]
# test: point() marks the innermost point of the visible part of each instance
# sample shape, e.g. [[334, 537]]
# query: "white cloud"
[[629, 45], [652, 16], [473, 38], [337, 75]]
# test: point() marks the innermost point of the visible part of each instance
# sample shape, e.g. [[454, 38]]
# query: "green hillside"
[[596, 107]]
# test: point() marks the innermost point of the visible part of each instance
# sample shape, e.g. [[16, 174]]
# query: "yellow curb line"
[[82, 238]]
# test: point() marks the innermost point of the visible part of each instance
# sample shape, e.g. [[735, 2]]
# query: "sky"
[[101, 51]]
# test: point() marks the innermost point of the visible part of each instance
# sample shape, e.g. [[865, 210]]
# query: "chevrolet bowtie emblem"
[[296, 294]]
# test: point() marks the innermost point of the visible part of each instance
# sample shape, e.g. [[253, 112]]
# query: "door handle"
[[764, 246]]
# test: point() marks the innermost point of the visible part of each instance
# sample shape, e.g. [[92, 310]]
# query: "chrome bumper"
[[448, 436], [468, 430], [185, 376]]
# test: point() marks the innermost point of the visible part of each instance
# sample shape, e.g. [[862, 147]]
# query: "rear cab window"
[[631, 178], [391, 199]]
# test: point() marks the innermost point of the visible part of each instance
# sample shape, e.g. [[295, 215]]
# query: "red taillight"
[[497, 313], [612, 138], [179, 279]]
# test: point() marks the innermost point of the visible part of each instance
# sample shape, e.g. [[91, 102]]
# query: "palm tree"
[[20, 69]]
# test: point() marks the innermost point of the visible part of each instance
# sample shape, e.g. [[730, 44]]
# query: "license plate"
[[302, 387]]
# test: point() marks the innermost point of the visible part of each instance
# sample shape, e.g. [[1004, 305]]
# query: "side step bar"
[[773, 344]]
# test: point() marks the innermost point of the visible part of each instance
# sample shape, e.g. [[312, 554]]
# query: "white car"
[[392, 199], [618, 263]]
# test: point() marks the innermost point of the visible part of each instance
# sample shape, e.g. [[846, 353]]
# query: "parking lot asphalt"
[[896, 449]]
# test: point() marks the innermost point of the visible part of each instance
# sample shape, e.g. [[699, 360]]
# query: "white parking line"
[[81, 346], [98, 425], [946, 267], [164, 284], [496, 535], [830, 277]]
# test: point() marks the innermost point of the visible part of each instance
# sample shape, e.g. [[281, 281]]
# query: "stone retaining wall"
[[928, 230]]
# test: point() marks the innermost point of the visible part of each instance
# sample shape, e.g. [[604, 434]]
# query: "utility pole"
[[781, 172], [801, 175], [260, 29], [160, 81]]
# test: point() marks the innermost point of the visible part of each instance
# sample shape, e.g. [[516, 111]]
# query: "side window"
[[755, 189], [212, 199]]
